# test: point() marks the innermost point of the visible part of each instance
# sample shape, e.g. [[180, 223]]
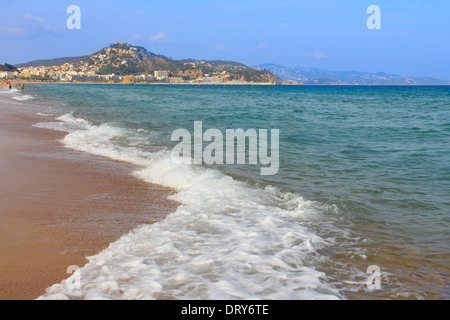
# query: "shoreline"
[[263, 84], [145, 83], [59, 206]]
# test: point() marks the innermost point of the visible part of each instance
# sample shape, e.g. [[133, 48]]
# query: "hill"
[[323, 76], [123, 59], [49, 62], [7, 67]]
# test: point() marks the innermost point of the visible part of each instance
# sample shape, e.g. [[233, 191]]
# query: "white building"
[[65, 77], [5, 74], [161, 74], [144, 77]]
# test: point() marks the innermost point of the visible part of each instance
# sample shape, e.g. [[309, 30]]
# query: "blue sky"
[[413, 40]]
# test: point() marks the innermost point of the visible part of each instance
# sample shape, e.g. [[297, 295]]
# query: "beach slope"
[[58, 206]]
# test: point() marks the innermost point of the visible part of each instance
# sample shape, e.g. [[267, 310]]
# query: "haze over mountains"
[[124, 59], [323, 76]]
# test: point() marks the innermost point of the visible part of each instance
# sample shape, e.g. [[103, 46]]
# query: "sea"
[[359, 208]]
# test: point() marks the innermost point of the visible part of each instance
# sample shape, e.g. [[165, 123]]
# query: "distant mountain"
[[123, 59], [322, 76], [216, 63], [7, 67], [49, 62]]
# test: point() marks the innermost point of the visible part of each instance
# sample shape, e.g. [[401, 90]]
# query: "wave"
[[23, 98], [12, 91], [227, 239], [16, 94], [45, 114]]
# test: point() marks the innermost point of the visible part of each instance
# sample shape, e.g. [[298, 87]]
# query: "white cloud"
[[39, 20], [161, 37], [26, 25], [262, 45]]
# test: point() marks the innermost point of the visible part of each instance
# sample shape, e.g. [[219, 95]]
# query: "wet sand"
[[58, 206]]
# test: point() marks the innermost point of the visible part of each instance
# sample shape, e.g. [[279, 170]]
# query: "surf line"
[[235, 140]]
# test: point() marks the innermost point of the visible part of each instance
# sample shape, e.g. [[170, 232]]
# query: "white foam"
[[45, 114], [23, 97], [7, 91], [227, 240], [15, 94]]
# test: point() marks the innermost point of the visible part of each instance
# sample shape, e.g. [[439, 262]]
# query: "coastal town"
[[124, 63]]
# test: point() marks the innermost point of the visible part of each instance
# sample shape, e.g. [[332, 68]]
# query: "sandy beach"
[[59, 206]]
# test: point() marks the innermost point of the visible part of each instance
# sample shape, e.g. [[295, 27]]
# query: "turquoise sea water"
[[364, 180]]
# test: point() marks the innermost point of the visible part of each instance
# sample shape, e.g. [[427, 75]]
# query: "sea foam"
[[15, 94], [227, 239], [24, 97]]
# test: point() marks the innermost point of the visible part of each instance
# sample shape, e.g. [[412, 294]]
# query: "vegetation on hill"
[[122, 59], [7, 67], [49, 62]]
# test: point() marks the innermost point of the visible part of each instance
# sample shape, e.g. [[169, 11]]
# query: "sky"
[[413, 39]]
